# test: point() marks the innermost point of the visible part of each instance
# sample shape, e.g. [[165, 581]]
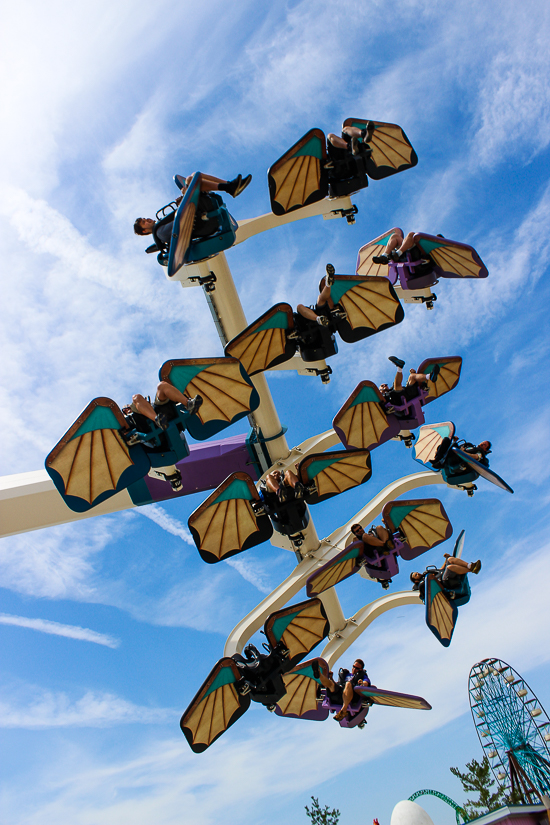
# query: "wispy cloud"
[[94, 709], [57, 629], [156, 513]]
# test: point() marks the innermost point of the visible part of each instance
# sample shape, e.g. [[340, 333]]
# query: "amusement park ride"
[[114, 458]]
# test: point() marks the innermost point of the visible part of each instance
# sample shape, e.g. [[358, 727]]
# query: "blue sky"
[[117, 620]]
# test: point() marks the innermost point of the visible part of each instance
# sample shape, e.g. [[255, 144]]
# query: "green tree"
[[479, 778], [322, 816]]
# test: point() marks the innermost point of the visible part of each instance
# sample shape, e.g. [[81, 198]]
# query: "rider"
[[343, 690], [450, 574], [163, 228], [396, 248], [320, 313], [162, 411], [395, 396]]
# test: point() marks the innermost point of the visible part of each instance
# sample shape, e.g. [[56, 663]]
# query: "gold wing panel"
[[363, 425], [92, 463], [390, 147], [449, 375], [331, 576], [456, 259], [441, 616], [342, 476], [296, 180], [259, 349], [213, 715], [426, 525], [427, 444], [301, 694], [305, 630], [371, 304], [225, 526], [411, 702], [224, 391], [304, 633]]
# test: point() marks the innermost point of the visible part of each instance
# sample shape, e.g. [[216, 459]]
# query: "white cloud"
[[156, 513], [57, 629], [94, 709]]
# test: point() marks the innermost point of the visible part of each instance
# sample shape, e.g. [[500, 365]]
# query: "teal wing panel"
[[303, 692], [429, 439], [362, 423], [371, 305]]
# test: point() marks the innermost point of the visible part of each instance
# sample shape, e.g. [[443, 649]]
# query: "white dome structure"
[[409, 813]]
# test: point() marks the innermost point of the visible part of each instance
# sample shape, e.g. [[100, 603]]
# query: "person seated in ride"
[[285, 485], [479, 451], [162, 229], [452, 461], [320, 313], [449, 575], [415, 380], [162, 410], [396, 250], [377, 536], [339, 147], [343, 690]]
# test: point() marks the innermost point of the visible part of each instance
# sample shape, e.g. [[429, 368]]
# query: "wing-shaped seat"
[[422, 523], [227, 392], [305, 697], [364, 420], [392, 152], [328, 474], [435, 448], [441, 612], [369, 305], [230, 520], [304, 174], [299, 178], [433, 257], [197, 235], [93, 461], [216, 706], [265, 343], [415, 527], [226, 693]]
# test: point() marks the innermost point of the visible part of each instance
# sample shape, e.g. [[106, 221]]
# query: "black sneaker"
[[175, 481], [315, 668], [435, 373], [323, 321], [194, 403], [329, 279], [233, 185], [380, 259], [243, 183], [397, 361], [355, 146]]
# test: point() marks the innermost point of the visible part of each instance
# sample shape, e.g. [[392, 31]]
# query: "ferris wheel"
[[513, 728]]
